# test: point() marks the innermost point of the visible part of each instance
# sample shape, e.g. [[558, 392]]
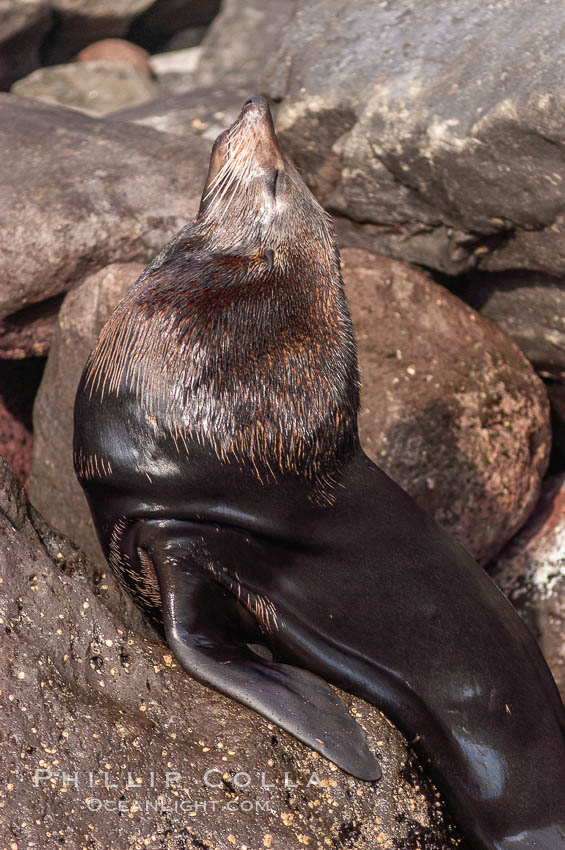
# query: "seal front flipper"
[[208, 630]]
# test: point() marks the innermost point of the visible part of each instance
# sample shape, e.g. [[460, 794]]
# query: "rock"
[[29, 332], [156, 26], [53, 487], [189, 37], [240, 41], [444, 132], [19, 381], [529, 307], [82, 22], [175, 70], [531, 572], [117, 50], [203, 111], [89, 696], [450, 407], [23, 23], [95, 88], [78, 194]]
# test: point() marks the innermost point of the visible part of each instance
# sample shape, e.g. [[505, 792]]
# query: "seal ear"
[[202, 629]]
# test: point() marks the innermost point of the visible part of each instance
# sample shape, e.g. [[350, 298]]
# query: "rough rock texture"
[[19, 381], [23, 23], [79, 193], [164, 18], [529, 307], [444, 131], [241, 40], [450, 407], [29, 332], [95, 88], [205, 111], [84, 693], [531, 571], [82, 22], [53, 487], [117, 50]]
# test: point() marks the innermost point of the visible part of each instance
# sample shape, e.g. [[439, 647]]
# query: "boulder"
[[203, 111], [23, 23], [96, 87], [450, 407], [529, 307], [240, 42], [79, 193], [531, 572], [443, 132], [174, 70], [117, 50], [110, 744]]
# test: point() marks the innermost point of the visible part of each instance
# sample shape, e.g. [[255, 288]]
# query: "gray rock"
[[529, 307], [451, 409], [79, 193], [95, 87], [82, 22], [240, 41], [174, 70], [23, 23], [203, 111], [531, 572], [441, 128], [87, 694]]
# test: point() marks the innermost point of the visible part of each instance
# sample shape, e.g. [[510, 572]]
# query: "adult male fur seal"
[[216, 440]]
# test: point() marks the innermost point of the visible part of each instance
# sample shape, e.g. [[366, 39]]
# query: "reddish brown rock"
[[29, 332], [86, 693], [117, 50], [531, 572], [451, 409], [19, 381]]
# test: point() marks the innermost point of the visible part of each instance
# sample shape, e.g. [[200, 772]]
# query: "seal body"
[[216, 441]]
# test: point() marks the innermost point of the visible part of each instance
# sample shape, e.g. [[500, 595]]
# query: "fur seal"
[[216, 441]]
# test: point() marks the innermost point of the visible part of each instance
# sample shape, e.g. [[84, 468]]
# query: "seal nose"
[[260, 101]]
